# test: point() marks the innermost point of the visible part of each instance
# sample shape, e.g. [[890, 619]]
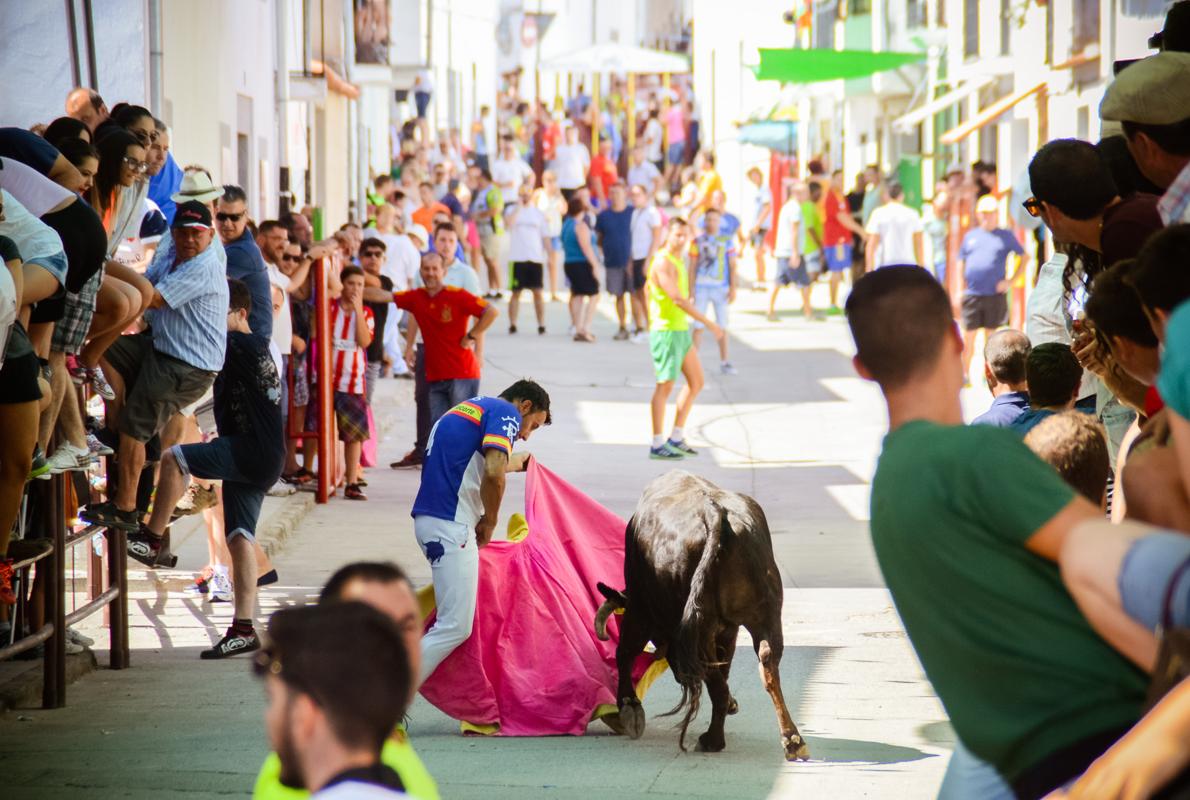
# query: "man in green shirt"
[[670, 311], [967, 525]]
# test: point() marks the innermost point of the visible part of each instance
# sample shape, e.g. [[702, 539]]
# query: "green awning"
[[811, 66]]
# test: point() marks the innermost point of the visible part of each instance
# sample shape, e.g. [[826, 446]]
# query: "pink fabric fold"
[[533, 664]]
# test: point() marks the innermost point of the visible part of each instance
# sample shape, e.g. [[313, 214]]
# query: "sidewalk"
[[796, 429]]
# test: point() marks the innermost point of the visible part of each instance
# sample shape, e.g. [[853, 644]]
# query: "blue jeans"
[[970, 778], [445, 395]]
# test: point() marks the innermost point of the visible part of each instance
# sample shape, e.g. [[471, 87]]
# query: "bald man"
[[86, 106], [1004, 357]]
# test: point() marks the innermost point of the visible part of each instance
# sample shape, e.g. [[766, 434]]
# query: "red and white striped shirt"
[[348, 358]]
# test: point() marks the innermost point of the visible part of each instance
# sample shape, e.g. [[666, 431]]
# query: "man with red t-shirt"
[[443, 316], [603, 175], [837, 231]]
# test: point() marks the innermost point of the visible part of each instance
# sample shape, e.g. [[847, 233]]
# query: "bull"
[[698, 564]]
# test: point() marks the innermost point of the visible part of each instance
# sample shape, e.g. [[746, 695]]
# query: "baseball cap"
[[192, 215], [987, 203], [1153, 91]]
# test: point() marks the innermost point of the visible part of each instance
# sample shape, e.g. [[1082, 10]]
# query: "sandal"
[[353, 492], [298, 477]]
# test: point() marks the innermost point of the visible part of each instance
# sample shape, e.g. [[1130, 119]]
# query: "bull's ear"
[[611, 594]]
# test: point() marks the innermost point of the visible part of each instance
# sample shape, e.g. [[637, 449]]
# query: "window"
[[826, 12], [1049, 33], [1086, 25], [858, 7], [915, 14], [940, 5], [971, 28]]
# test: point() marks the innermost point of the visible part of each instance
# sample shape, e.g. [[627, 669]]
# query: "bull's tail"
[[693, 649]]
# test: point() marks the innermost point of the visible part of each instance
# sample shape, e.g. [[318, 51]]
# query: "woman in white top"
[[548, 200]]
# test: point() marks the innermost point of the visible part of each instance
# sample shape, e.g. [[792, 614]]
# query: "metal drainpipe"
[[282, 105], [156, 90]]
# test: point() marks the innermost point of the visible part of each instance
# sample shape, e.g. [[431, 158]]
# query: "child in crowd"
[[352, 327], [1075, 445]]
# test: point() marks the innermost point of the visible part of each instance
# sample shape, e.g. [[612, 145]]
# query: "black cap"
[[192, 214], [1176, 33]]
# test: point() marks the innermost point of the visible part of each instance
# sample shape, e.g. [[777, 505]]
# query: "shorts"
[[639, 272], [714, 296], [984, 311], [70, 332], [582, 278], [18, 380], [757, 239], [472, 235], [1148, 567], [677, 152], [301, 384], [422, 101], [526, 275], [351, 414], [53, 263], [617, 280], [53, 307], [798, 275], [668, 349], [242, 497], [489, 242], [838, 257], [158, 386]]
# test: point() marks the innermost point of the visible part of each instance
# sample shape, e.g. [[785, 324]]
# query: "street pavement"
[[796, 429]]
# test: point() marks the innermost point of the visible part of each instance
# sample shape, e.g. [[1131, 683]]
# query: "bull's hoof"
[[632, 718], [711, 742], [796, 748], [613, 721], [732, 706]]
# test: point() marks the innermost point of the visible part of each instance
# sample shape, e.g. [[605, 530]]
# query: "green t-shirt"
[[1017, 666], [811, 220]]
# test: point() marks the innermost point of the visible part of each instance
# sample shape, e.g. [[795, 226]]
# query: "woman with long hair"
[[549, 201], [580, 267]]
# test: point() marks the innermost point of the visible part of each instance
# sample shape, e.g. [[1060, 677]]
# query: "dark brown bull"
[[698, 564]]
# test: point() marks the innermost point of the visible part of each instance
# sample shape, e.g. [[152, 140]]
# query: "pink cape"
[[533, 665]]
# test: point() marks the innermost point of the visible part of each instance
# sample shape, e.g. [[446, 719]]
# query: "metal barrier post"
[[53, 690], [326, 395], [117, 571]]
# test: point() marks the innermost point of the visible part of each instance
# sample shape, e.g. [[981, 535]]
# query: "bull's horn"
[[606, 610]]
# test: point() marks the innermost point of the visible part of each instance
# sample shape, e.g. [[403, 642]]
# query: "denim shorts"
[[1144, 577], [242, 500], [677, 152], [711, 297]]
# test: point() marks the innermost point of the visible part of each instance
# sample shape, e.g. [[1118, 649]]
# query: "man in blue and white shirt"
[[462, 485], [171, 365]]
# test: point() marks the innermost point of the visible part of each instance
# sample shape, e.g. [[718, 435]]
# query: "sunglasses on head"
[[224, 216], [1033, 206]]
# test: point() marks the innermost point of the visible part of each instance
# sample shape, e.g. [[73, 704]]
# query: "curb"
[[278, 527], [24, 690]]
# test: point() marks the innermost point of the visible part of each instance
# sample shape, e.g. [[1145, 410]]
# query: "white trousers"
[[454, 559]]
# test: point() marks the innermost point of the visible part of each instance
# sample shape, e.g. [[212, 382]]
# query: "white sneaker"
[[640, 337], [78, 638], [728, 369], [68, 458], [571, 331], [220, 588], [281, 489]]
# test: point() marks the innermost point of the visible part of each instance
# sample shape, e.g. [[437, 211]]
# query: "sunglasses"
[[371, 254], [224, 216], [1033, 206], [134, 165], [288, 257]]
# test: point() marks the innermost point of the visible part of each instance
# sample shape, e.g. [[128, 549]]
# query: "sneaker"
[[220, 588], [727, 368], [411, 460], [82, 640], [232, 644], [640, 337], [407, 375], [98, 448], [682, 447], [100, 385], [40, 468], [621, 336], [834, 311], [7, 596], [68, 458], [666, 453], [195, 501], [200, 585], [106, 515], [281, 489], [78, 373], [354, 492], [571, 331], [144, 546]]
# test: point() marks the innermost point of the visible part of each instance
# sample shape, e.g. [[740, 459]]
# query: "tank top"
[[572, 253], [664, 313]]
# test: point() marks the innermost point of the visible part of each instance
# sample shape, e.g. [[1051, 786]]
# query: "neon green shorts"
[[669, 350]]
